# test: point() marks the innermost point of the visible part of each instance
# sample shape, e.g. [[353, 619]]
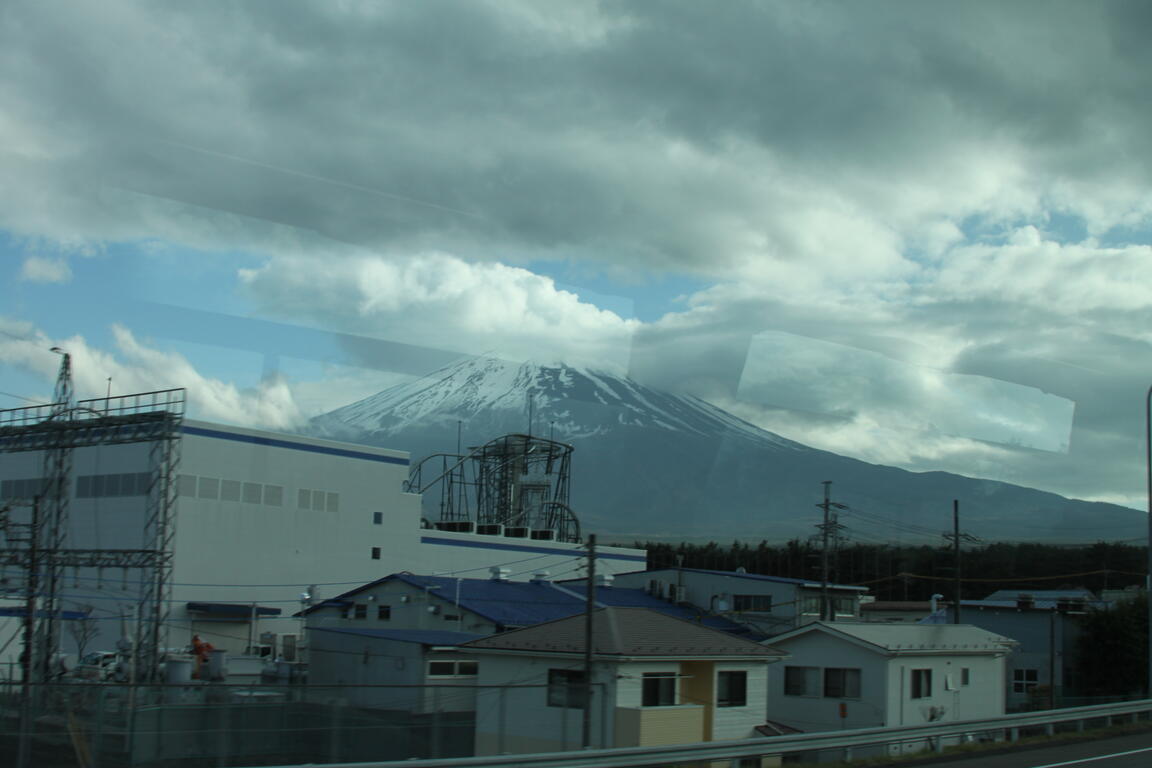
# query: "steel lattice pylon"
[[57, 429], [519, 482]]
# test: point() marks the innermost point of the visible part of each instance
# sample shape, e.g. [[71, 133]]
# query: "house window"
[[360, 611], [375, 553], [752, 603], [1024, 680], [844, 606], [377, 518], [453, 668], [801, 681], [566, 688], [810, 606], [441, 668], [383, 612], [965, 676], [841, 683], [731, 689], [659, 689], [921, 683]]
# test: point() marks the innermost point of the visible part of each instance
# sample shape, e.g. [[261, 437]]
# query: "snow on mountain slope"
[[650, 464], [563, 400]]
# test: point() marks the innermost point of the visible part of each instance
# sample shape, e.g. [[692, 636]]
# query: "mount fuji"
[[654, 465]]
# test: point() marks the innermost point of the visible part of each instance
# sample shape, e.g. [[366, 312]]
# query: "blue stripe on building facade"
[[481, 544], [273, 442]]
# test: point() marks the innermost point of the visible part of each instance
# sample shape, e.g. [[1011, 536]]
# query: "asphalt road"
[[1121, 752]]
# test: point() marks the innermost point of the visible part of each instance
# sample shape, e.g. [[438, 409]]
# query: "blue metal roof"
[[422, 636], [525, 603], [751, 576]]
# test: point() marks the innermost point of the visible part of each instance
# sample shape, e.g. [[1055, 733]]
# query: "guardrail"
[[1008, 726]]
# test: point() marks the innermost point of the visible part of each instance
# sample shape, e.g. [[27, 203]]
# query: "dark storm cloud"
[[663, 134], [822, 163]]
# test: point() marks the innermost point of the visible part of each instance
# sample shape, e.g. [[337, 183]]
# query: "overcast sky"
[[913, 232]]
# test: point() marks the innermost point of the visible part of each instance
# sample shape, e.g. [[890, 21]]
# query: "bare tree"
[[84, 630]]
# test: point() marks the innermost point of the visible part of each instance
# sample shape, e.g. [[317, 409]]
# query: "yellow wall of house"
[[652, 726], [696, 687]]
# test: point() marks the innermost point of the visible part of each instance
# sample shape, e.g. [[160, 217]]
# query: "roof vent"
[[604, 579], [541, 577], [500, 574]]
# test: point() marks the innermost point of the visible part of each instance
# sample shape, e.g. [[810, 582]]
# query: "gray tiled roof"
[[626, 632], [901, 637]]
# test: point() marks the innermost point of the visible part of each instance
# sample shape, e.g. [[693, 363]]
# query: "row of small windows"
[[831, 682], [124, 484], [360, 611], [87, 486], [24, 488], [844, 683], [319, 501], [566, 688], [190, 486], [214, 488]]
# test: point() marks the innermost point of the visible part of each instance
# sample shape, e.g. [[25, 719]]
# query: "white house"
[[768, 604], [655, 680], [861, 675], [1046, 626]]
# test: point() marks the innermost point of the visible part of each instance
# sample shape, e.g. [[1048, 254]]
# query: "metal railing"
[[929, 736]]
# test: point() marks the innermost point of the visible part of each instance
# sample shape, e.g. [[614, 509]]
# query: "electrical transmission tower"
[[829, 533], [34, 519]]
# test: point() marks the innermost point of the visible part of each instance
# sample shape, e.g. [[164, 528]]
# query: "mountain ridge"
[[654, 463]]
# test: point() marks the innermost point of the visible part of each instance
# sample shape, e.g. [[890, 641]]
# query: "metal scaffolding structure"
[[516, 485], [36, 527]]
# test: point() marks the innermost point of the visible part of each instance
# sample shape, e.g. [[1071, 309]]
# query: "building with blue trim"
[[263, 523]]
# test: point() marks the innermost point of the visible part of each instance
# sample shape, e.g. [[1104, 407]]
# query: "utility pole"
[[829, 528], [956, 537], [589, 609]]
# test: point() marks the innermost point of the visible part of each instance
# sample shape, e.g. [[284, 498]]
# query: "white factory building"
[[261, 520]]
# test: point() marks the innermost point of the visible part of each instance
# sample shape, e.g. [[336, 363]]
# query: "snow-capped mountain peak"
[[563, 400]]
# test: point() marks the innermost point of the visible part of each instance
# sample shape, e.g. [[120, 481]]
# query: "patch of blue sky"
[[1119, 237], [19, 388], [1056, 226]]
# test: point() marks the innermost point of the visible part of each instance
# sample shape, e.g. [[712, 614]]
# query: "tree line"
[[902, 572]]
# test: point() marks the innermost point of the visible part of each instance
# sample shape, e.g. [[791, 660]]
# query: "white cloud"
[[1063, 278], [439, 300], [41, 269], [136, 367]]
